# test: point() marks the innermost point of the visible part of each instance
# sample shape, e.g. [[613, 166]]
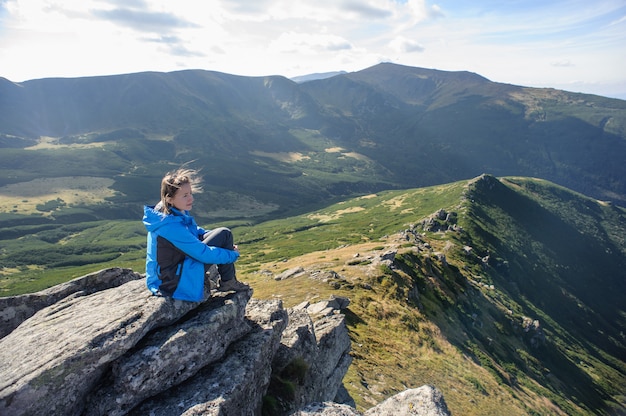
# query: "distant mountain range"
[[505, 291], [289, 144]]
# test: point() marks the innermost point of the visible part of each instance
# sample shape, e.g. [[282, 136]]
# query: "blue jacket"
[[176, 255]]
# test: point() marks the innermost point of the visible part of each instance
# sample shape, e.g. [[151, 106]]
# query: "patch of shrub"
[[282, 389], [51, 205]]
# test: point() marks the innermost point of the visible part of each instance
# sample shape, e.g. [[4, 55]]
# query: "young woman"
[[179, 251]]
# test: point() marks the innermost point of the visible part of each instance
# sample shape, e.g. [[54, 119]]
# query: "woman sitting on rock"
[[179, 252]]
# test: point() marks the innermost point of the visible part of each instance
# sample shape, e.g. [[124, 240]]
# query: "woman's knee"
[[220, 237]]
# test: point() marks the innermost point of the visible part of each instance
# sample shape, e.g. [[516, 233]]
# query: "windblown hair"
[[171, 183]]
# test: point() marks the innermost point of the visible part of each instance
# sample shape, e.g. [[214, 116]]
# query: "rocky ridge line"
[[102, 345]]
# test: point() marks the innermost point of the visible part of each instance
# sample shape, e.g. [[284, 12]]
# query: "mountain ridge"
[[396, 126], [531, 305]]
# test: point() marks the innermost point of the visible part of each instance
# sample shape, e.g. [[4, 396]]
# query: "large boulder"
[[171, 355], [53, 359], [235, 385], [120, 350], [313, 358], [423, 401], [16, 309]]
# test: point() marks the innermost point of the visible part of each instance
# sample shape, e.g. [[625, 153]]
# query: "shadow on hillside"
[[567, 277]]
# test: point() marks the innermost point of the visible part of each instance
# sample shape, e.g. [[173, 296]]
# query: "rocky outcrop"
[[234, 386], [54, 359], [16, 309], [171, 355], [103, 345], [423, 401]]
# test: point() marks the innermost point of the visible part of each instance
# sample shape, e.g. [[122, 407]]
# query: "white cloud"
[[308, 43], [530, 43], [365, 10], [142, 21], [403, 45]]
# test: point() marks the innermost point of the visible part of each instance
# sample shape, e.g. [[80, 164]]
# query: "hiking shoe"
[[232, 285]]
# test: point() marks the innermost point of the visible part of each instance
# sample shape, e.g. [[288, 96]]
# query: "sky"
[[573, 45]]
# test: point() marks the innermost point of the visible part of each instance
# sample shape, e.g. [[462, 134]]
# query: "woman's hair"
[[171, 183]]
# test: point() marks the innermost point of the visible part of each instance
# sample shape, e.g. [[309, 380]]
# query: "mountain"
[[504, 293], [270, 147], [458, 125]]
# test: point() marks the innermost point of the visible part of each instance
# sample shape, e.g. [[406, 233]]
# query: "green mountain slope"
[[507, 294], [433, 124], [276, 147]]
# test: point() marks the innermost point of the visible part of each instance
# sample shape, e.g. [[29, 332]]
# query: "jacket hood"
[[154, 219]]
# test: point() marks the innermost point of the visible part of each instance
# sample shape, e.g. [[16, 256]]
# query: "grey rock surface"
[[171, 355], [423, 401], [16, 309], [104, 345], [234, 386], [53, 359]]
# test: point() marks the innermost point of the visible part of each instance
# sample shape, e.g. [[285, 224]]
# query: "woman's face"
[[183, 198]]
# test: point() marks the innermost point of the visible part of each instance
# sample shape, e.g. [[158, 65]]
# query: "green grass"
[[48, 256]]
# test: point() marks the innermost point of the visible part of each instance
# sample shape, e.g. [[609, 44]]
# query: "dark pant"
[[221, 237]]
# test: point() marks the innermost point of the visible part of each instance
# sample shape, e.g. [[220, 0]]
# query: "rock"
[[342, 302], [123, 351], [320, 349], [171, 355], [326, 307], [322, 308], [441, 220], [16, 309], [442, 258], [298, 340], [56, 357], [302, 305], [423, 401], [389, 255], [327, 409], [333, 358], [289, 273], [325, 275], [234, 386]]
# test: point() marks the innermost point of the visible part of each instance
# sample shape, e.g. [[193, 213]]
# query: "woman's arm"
[[189, 244]]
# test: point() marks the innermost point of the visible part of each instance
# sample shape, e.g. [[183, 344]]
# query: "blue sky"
[[566, 44]]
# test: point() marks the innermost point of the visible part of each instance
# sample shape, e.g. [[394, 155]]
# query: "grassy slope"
[[498, 334], [463, 320]]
